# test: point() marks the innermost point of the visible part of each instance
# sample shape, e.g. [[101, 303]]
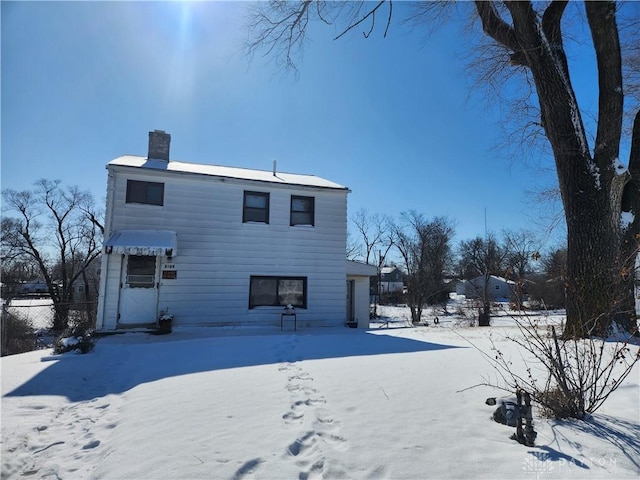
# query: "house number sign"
[[169, 271]]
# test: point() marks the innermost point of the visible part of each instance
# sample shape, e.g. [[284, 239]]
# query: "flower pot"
[[165, 325]]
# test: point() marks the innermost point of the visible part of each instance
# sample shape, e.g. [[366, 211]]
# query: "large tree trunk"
[[599, 288], [590, 186], [594, 293]]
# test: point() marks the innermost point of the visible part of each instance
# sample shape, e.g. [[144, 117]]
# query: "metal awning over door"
[[143, 242]]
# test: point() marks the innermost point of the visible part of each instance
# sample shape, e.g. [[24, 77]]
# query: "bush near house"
[[26, 326], [18, 335], [75, 339]]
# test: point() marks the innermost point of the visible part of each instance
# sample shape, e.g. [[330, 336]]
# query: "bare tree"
[[546, 290], [600, 194], [425, 247], [353, 249], [554, 263], [521, 251], [58, 229], [14, 267], [482, 257], [377, 238], [374, 233]]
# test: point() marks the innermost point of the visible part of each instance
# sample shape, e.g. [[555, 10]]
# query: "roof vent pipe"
[[275, 163]]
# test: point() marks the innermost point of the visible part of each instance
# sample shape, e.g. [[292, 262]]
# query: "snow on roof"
[[227, 172], [357, 268], [480, 278], [384, 270]]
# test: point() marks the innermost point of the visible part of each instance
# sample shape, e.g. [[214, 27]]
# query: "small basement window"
[[149, 193]]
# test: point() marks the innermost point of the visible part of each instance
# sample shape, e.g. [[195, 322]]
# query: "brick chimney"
[[159, 142]]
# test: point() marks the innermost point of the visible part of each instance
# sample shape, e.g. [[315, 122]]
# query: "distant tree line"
[[424, 249]]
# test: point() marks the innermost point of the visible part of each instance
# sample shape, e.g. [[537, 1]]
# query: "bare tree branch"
[[494, 26], [602, 20], [371, 14]]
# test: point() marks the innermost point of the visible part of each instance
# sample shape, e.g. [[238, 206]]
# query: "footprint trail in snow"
[[317, 432]]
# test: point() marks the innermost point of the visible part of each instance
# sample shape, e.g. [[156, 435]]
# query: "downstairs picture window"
[[278, 291]]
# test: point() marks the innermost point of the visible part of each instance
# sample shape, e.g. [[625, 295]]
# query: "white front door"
[[138, 290]]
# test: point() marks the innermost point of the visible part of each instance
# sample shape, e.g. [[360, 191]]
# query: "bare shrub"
[[467, 312], [466, 317], [554, 404], [568, 378], [18, 335], [83, 316], [81, 333]]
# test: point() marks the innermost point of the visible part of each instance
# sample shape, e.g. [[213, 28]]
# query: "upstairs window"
[[278, 291], [149, 193], [302, 210], [255, 207]]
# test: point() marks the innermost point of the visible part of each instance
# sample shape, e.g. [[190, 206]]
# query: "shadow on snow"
[[622, 434], [120, 363]]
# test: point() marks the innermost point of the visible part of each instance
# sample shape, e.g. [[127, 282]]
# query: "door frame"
[[351, 306], [124, 263]]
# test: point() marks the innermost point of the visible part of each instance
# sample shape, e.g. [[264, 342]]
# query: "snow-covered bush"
[[75, 339]]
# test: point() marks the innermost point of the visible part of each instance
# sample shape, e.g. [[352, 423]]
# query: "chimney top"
[[159, 142]]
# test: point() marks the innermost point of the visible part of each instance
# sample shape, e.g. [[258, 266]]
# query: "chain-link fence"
[[27, 322]]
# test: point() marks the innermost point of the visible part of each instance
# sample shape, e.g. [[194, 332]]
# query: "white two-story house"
[[214, 245]]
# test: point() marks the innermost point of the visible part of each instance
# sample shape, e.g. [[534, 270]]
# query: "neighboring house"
[[37, 286], [498, 288], [81, 292], [451, 285], [215, 245], [391, 280]]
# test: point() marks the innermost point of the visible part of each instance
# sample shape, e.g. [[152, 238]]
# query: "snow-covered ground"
[[388, 403], [37, 311]]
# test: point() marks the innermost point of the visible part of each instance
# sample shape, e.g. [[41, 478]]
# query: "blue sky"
[[392, 119]]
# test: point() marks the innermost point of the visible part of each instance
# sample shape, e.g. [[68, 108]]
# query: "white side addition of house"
[[214, 245]]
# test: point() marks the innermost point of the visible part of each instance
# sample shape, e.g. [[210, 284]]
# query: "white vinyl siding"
[[110, 275], [218, 253]]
